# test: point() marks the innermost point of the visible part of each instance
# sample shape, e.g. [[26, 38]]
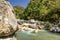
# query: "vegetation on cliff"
[[43, 10], [18, 11]]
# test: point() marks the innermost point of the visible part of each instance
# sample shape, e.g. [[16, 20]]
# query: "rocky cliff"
[[8, 23]]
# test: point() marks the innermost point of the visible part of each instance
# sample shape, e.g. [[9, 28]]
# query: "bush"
[[47, 24], [19, 11]]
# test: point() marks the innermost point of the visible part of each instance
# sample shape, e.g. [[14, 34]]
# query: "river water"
[[42, 35]]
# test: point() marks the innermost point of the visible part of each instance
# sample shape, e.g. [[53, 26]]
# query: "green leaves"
[[45, 10], [19, 11], [42, 10]]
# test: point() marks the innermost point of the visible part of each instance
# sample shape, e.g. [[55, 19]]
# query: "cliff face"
[[8, 23]]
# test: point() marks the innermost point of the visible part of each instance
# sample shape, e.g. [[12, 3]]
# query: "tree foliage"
[[18, 11], [43, 10]]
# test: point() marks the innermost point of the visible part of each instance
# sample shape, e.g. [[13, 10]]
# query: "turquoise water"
[[42, 35]]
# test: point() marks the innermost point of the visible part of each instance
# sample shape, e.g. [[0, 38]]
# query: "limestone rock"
[[9, 38], [8, 23]]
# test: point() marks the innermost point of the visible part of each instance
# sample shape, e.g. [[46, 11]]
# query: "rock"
[[32, 20], [8, 38], [8, 23], [36, 31], [54, 28], [34, 26], [42, 23], [20, 21]]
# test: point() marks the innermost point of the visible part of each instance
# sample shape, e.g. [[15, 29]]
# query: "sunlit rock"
[[35, 31], [8, 23]]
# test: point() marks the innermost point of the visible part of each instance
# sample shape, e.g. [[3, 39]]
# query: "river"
[[42, 35]]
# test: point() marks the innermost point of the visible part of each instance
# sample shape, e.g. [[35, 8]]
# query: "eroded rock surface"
[[8, 23]]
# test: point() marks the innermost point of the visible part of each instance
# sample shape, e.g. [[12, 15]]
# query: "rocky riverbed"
[[41, 25]]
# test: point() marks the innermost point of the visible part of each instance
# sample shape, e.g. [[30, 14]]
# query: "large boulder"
[[8, 23]]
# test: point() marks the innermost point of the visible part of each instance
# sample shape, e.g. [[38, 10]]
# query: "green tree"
[[19, 11], [43, 10]]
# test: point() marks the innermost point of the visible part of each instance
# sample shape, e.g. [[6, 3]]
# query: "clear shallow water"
[[42, 35]]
